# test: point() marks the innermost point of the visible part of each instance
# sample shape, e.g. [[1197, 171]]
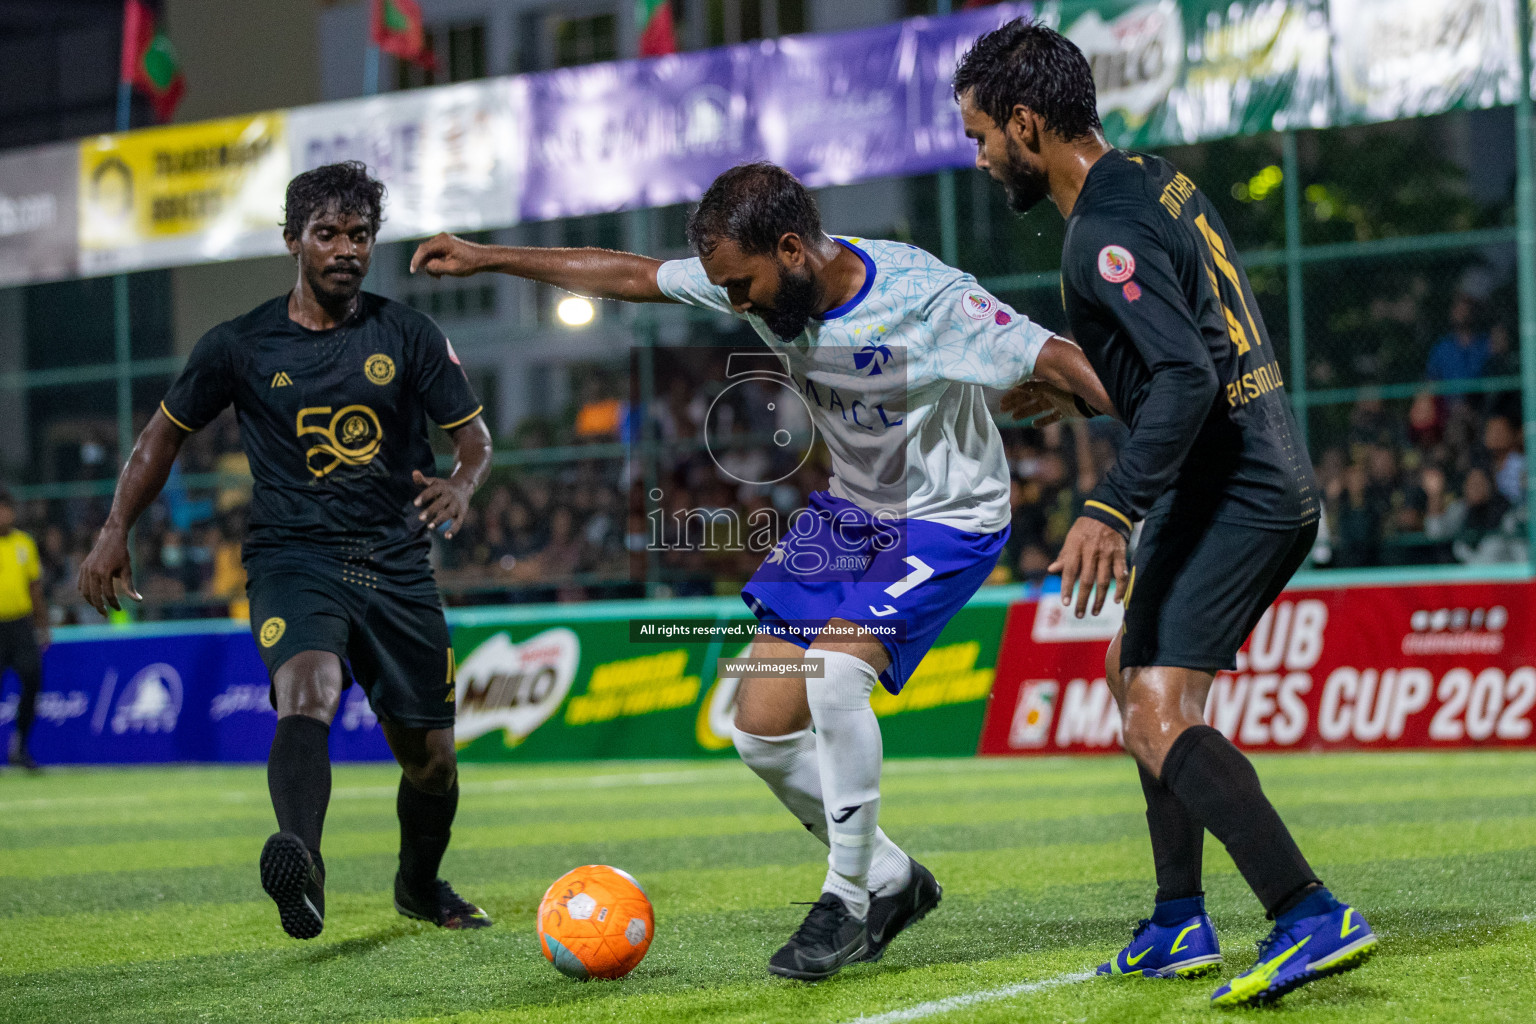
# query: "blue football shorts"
[[902, 579]]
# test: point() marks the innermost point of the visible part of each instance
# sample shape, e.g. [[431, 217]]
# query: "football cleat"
[[1188, 949], [444, 907], [296, 884], [1311, 948], [18, 756], [891, 915], [828, 938]]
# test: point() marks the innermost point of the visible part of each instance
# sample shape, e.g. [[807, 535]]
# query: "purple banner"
[[831, 108], [185, 696]]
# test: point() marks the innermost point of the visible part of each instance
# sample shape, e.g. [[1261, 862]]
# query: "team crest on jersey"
[[1116, 264], [978, 305], [379, 368], [870, 358], [272, 631]]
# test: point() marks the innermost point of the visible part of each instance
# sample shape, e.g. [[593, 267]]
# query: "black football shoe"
[[18, 756], [443, 907], [296, 884], [829, 938], [890, 915]]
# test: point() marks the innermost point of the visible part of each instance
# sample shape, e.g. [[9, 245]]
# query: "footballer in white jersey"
[[891, 350]]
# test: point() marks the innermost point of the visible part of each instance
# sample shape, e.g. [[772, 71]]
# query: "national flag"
[[396, 28], [658, 34], [149, 62]]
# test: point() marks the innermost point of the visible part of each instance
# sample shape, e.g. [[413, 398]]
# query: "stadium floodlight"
[[575, 311]]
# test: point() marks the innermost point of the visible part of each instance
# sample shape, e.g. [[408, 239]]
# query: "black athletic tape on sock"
[[1221, 790]]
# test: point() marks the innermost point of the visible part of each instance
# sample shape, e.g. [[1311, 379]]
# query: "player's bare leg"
[[307, 692], [427, 802]]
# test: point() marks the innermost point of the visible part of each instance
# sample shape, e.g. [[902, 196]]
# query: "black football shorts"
[[395, 646], [1199, 586]]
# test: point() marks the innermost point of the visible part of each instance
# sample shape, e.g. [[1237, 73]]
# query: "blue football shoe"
[[1301, 950], [1188, 949]]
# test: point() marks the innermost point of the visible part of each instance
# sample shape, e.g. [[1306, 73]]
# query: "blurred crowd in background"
[[1422, 480]]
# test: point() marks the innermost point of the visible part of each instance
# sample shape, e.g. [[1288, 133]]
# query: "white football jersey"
[[893, 380]]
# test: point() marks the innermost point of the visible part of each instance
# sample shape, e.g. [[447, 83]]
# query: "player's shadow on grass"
[[359, 945]]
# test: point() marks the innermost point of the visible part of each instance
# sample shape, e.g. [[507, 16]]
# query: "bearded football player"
[[1216, 469]]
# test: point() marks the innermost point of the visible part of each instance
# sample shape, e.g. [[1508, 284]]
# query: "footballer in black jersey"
[[1156, 296], [334, 389]]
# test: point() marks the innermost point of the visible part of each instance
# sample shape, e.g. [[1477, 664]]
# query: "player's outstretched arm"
[[599, 273], [138, 485], [446, 499], [1063, 366]]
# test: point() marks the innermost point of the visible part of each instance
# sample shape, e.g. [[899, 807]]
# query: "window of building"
[[448, 297], [585, 40], [737, 21], [460, 52]]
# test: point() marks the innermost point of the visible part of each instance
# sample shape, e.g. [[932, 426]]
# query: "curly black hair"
[[344, 188], [1027, 62], [753, 205]]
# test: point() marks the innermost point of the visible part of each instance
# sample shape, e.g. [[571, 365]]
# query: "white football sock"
[[790, 767], [848, 749], [788, 764]]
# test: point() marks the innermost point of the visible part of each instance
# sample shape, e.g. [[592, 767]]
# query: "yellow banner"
[[211, 190]]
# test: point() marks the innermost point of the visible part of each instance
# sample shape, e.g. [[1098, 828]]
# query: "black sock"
[[26, 709], [1178, 841], [1221, 790], [299, 777], [426, 822]]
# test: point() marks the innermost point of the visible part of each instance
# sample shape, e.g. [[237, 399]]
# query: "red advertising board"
[[1361, 668]]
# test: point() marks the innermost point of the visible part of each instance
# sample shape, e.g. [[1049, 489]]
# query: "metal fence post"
[[1525, 246], [949, 231], [1296, 310], [638, 229]]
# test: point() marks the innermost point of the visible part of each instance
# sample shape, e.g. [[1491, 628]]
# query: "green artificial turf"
[[132, 895]]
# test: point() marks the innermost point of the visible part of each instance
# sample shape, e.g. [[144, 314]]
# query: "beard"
[[793, 305], [1024, 185]]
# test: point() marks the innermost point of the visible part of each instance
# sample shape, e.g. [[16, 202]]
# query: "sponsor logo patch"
[[978, 305], [1131, 290], [1116, 264], [1002, 319]]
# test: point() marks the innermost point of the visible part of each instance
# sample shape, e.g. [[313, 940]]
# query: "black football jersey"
[[333, 422], [1159, 302]]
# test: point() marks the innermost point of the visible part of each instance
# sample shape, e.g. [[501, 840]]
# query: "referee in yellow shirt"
[[23, 624]]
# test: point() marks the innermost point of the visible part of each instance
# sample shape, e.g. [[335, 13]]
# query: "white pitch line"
[[960, 1002], [699, 776], [547, 784]]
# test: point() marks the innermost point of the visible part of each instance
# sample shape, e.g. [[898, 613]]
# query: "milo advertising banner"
[[639, 681]]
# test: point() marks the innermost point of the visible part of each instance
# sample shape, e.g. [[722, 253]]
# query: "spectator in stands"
[[1353, 519], [1463, 352], [1426, 420], [1480, 525], [1506, 458]]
